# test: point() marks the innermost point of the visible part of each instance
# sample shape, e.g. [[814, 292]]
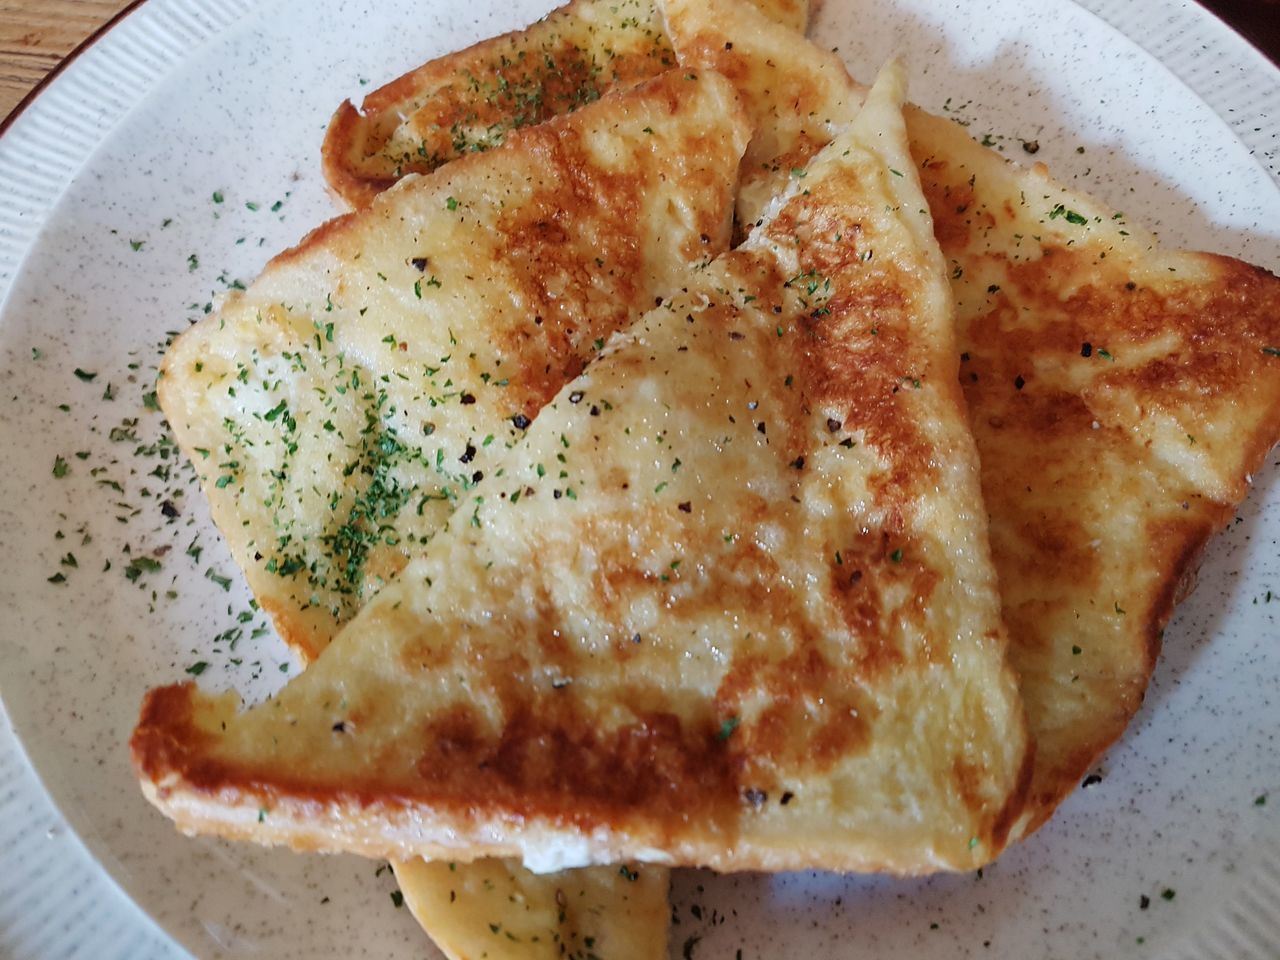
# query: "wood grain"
[[36, 34]]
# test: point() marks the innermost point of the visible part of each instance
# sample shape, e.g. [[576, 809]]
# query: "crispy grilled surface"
[[346, 404], [470, 101], [618, 911], [1120, 394], [729, 602]]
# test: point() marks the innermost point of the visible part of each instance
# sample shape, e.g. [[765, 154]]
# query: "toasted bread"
[[471, 100], [1121, 395], [341, 408], [499, 910], [729, 602]]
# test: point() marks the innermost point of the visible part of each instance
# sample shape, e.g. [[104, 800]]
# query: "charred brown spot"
[[814, 713], [865, 341], [552, 757], [883, 594], [165, 735]]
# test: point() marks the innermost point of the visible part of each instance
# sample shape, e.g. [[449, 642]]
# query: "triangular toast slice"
[[1121, 395], [353, 397], [469, 101], [728, 603]]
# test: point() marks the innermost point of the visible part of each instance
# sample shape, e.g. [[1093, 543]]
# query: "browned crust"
[[314, 239], [341, 141], [1007, 824], [204, 795], [1179, 563], [356, 138], [165, 733]]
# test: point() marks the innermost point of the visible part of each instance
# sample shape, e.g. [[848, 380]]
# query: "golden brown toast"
[[729, 601], [471, 100], [1121, 395], [341, 409], [498, 910]]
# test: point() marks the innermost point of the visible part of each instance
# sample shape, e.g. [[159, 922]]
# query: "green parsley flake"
[[140, 565], [223, 582], [1071, 216]]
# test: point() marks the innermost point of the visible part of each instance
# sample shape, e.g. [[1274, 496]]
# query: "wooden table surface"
[[36, 34]]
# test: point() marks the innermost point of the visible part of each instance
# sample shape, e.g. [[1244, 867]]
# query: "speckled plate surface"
[[180, 151]]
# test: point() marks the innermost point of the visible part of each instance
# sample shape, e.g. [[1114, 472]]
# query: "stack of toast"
[[612, 548]]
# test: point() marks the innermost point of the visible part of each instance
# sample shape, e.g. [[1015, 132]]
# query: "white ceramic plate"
[[180, 151]]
